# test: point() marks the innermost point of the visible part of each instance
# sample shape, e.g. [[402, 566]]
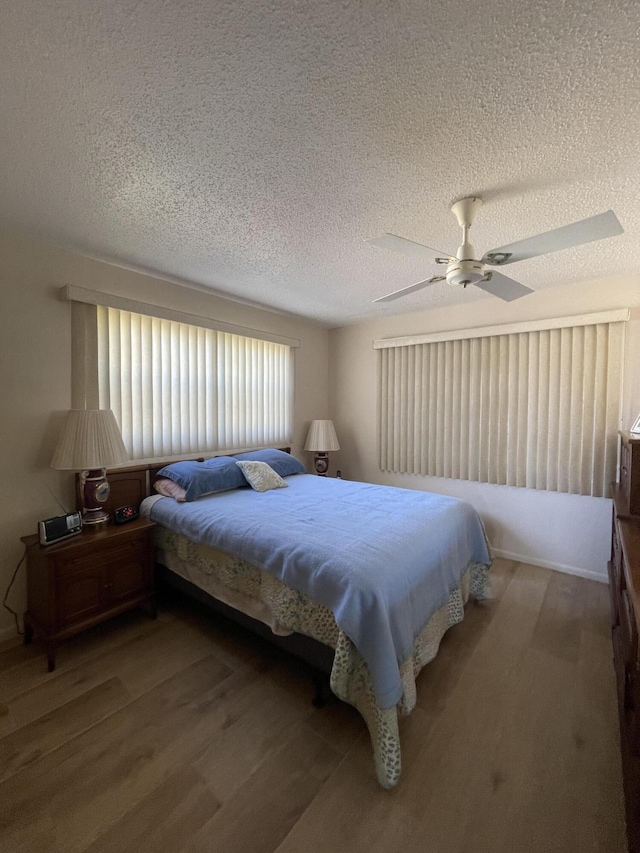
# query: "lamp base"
[[94, 518], [321, 463], [94, 492]]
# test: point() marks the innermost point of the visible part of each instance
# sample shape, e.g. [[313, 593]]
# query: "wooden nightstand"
[[87, 579]]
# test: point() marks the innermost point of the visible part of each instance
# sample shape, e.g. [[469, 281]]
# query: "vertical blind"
[[537, 409], [178, 389]]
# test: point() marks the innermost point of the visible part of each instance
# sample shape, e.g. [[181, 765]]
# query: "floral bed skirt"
[[263, 596]]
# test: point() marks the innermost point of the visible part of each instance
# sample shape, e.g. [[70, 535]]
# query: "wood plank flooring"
[[186, 734]]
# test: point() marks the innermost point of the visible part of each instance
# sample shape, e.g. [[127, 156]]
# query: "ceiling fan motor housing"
[[462, 273]]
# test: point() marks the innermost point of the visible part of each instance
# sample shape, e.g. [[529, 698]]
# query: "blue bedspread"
[[382, 559]]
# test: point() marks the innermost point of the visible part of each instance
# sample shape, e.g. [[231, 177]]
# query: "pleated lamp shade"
[[322, 437], [90, 439], [89, 443]]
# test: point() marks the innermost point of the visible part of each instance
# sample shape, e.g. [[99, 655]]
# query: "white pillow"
[[261, 476]]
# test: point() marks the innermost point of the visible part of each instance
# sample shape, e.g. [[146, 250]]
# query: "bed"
[[374, 574]]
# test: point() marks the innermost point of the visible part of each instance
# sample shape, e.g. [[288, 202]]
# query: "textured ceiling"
[[250, 147]]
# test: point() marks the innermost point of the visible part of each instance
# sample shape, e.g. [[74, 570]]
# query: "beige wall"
[[35, 378], [568, 532]]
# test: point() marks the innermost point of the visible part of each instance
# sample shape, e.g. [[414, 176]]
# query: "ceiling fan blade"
[[406, 290], [503, 287], [586, 231], [408, 247]]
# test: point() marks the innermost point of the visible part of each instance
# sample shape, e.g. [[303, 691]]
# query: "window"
[[180, 388], [537, 408]]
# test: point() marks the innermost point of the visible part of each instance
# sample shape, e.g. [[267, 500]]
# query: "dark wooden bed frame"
[[129, 486]]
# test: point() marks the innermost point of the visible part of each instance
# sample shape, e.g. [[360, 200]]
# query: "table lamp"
[[90, 442], [321, 438]]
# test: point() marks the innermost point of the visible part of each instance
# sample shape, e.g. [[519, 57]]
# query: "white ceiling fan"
[[464, 269]]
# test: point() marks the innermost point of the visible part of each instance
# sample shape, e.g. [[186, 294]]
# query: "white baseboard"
[[602, 577]]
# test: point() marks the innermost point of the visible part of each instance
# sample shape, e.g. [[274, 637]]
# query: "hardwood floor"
[[185, 734]]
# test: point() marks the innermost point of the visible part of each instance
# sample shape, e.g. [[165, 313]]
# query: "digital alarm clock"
[[124, 514]]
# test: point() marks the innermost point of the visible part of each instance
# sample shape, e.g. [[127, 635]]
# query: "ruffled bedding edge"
[[256, 591]]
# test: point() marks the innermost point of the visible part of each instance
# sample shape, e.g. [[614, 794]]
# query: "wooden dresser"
[[624, 580]]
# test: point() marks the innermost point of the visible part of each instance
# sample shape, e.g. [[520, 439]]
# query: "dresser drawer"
[[632, 707], [630, 473], [616, 551], [625, 469], [614, 593], [628, 630]]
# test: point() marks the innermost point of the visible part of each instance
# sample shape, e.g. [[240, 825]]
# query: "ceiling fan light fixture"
[[462, 273]]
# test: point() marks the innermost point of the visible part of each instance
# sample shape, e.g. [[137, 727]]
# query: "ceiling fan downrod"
[[464, 269]]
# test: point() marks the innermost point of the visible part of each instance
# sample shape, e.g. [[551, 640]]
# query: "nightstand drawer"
[[102, 553]]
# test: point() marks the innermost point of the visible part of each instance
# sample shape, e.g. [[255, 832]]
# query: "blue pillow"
[[198, 478], [218, 479], [282, 463], [180, 472]]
